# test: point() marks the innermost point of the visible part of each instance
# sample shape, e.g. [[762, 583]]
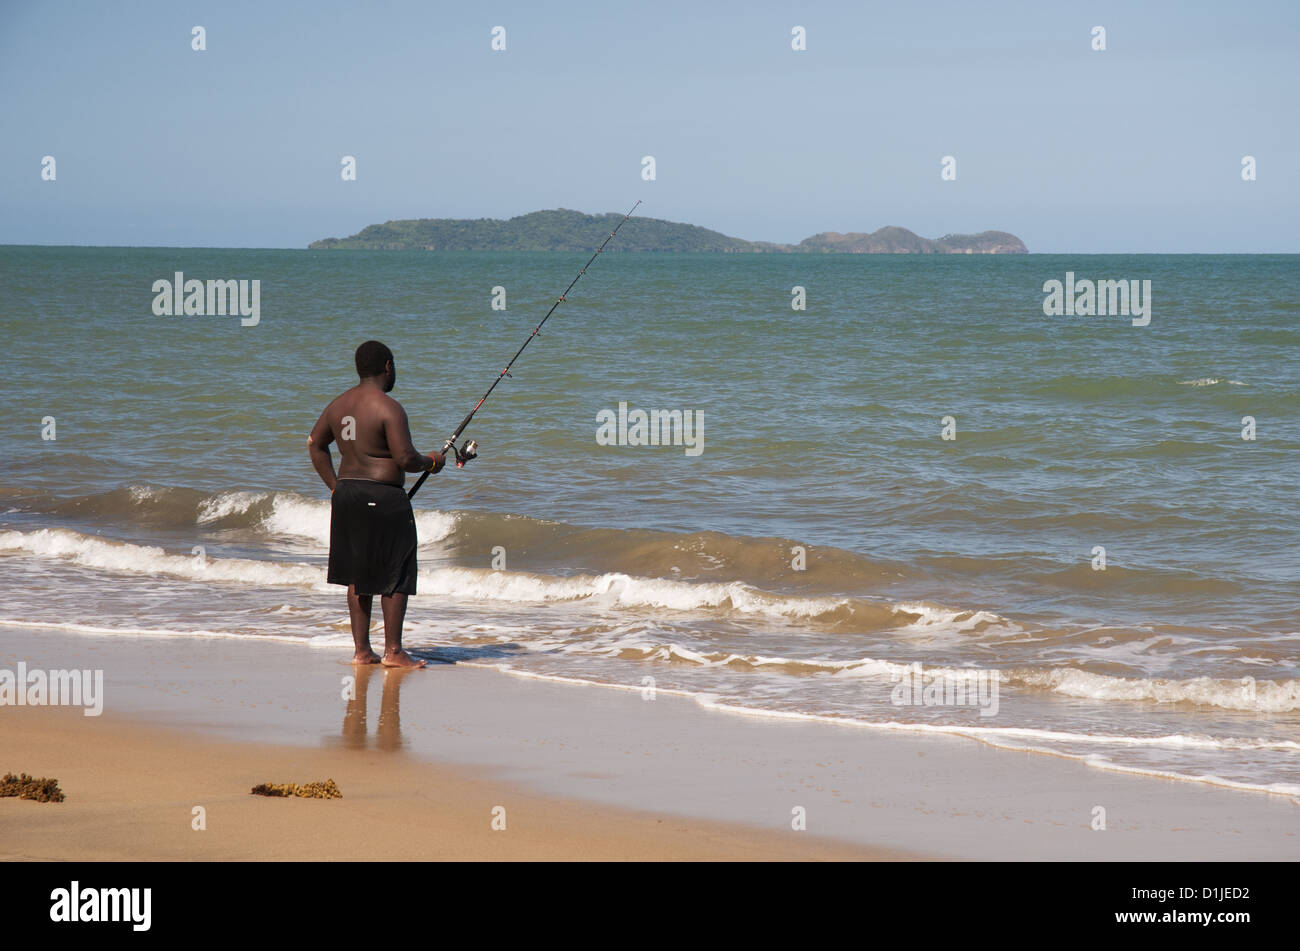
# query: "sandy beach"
[[424, 757], [131, 792]]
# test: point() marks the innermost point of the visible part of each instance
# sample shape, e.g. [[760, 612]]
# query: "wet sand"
[[132, 791]]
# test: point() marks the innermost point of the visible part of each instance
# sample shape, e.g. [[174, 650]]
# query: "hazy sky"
[[1137, 148]]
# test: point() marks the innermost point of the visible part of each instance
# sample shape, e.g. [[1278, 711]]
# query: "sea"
[[911, 500]]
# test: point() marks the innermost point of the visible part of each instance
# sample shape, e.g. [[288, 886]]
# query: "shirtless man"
[[372, 527]]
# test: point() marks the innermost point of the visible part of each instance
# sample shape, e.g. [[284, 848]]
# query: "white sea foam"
[[1248, 695], [100, 630], [140, 494], [517, 587], [91, 552], [620, 590], [1210, 381], [614, 590], [605, 590], [1262, 696], [933, 616], [294, 515], [514, 587], [299, 517], [226, 504]]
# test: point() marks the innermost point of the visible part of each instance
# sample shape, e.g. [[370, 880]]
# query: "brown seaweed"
[[327, 789], [29, 787]]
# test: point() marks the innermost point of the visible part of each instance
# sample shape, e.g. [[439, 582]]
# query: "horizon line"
[[847, 254]]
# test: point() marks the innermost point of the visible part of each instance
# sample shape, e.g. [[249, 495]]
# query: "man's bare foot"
[[402, 659], [370, 657]]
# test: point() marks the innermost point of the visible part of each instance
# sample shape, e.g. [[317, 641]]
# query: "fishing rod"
[[470, 450]]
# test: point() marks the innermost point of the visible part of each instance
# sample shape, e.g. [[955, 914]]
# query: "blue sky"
[[1137, 148]]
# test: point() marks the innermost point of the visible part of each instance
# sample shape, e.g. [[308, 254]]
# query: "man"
[[372, 527]]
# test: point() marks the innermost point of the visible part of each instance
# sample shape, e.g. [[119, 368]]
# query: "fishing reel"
[[465, 453]]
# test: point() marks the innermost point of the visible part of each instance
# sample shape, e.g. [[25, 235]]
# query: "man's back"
[[372, 433]]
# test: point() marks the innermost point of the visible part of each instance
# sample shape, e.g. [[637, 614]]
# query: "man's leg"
[[359, 606], [394, 608]]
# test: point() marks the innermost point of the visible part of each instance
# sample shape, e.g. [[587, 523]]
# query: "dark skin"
[[379, 448]]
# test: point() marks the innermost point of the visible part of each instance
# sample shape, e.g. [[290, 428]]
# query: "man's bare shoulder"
[[344, 397], [368, 398], [391, 406]]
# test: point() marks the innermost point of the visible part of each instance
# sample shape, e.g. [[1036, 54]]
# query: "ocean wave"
[[1247, 693], [615, 589], [103, 554], [606, 590], [291, 515], [258, 515], [100, 630], [282, 514], [678, 642], [223, 505]]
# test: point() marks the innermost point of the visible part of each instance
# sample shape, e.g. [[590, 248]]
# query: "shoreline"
[[609, 767], [1027, 740], [996, 738]]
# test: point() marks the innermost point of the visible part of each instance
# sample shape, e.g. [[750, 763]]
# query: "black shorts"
[[372, 537]]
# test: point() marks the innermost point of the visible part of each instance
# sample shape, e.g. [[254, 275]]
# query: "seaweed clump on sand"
[[322, 790], [29, 787]]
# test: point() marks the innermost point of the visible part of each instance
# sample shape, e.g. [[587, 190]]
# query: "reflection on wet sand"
[[388, 734]]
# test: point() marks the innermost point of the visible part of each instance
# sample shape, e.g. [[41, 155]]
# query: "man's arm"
[[397, 430], [318, 448]]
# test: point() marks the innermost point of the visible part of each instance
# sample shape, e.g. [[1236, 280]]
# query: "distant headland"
[[564, 230]]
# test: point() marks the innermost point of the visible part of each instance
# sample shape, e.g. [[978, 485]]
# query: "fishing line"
[[470, 449]]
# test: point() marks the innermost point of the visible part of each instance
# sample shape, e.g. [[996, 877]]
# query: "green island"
[[562, 229]]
